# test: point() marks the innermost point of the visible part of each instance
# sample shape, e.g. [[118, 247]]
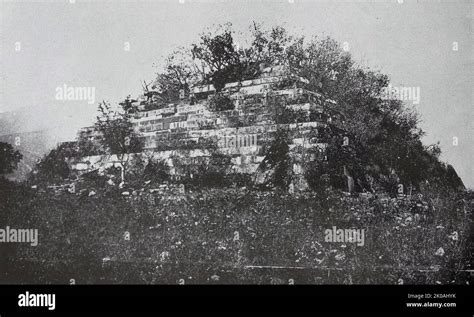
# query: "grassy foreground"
[[234, 235]]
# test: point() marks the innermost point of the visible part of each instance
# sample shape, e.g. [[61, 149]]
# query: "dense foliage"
[[9, 158], [220, 102], [55, 167], [225, 232], [205, 227], [384, 142]]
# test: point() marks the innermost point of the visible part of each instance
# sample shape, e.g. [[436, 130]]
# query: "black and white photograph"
[[259, 143]]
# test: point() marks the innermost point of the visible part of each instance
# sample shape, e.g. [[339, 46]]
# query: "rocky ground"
[[235, 235]]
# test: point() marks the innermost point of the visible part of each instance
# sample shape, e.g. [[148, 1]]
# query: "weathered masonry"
[[173, 129]]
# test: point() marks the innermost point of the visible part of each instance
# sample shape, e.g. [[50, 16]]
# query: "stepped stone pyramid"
[[180, 129]]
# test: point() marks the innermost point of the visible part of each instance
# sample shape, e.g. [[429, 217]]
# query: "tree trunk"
[[122, 175]]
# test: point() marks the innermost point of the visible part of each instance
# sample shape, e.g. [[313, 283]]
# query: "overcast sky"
[[48, 44]]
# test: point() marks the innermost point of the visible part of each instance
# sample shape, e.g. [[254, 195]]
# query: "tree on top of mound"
[[383, 134]]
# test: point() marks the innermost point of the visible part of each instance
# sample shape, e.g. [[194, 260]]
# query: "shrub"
[[220, 102], [277, 161], [157, 171], [204, 171]]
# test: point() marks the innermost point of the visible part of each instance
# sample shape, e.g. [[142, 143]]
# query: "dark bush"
[[220, 102], [157, 171]]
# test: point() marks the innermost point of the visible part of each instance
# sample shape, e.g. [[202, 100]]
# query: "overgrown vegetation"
[[9, 158], [384, 140], [224, 232], [220, 102], [277, 164], [218, 228]]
